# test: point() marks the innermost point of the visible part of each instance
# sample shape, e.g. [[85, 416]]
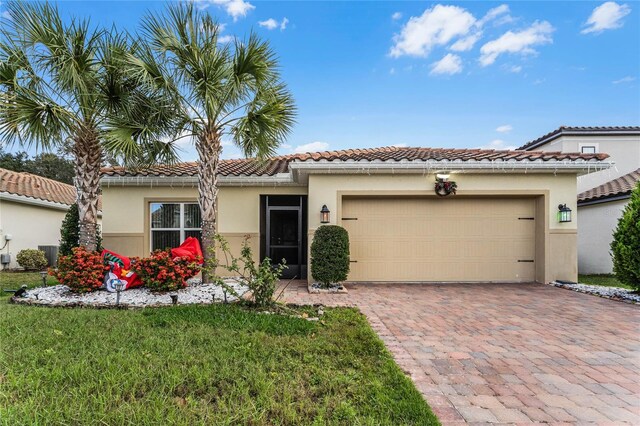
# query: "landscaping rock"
[[315, 288], [616, 293], [195, 293]]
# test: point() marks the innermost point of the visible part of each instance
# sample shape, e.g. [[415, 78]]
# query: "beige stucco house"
[[602, 195], [31, 211], [501, 226]]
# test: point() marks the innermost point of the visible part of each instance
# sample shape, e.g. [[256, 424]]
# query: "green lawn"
[[603, 280], [198, 365], [13, 281]]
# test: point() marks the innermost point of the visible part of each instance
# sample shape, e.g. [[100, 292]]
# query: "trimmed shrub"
[[161, 272], [32, 259], [625, 247], [70, 232], [330, 255], [82, 271]]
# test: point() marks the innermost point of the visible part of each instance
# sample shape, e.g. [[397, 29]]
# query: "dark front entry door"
[[284, 237]]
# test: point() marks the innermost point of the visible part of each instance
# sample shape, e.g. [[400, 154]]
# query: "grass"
[[13, 281], [603, 280], [219, 365]]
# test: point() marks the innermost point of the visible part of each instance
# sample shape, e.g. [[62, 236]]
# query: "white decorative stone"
[[602, 291], [194, 293]]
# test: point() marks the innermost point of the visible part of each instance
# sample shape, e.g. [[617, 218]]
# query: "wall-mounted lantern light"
[[324, 214], [564, 213]]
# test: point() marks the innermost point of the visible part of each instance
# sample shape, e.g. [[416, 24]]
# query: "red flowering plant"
[[82, 270], [162, 272]]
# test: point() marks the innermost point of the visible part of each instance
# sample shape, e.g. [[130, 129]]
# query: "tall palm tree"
[[221, 90], [63, 83]]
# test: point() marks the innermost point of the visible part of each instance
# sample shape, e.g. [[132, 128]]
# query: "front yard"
[[604, 280], [198, 364]]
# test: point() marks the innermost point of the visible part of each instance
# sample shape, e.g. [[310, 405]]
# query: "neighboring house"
[[31, 211], [502, 226], [596, 224], [599, 209]]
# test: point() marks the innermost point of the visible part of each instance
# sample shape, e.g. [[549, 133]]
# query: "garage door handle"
[[525, 218], [525, 260], [353, 261], [349, 218]]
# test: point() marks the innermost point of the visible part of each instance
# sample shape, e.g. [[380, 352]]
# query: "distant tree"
[[52, 166], [16, 162], [49, 165], [625, 246]]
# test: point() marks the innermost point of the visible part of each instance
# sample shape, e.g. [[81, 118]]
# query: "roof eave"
[[605, 199]]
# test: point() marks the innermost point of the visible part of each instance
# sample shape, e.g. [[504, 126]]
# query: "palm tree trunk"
[[87, 162], [209, 148]]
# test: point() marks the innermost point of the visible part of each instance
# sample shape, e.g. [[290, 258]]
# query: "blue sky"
[[439, 74]]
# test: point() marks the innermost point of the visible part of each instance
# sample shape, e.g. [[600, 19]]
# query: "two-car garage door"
[[448, 239]]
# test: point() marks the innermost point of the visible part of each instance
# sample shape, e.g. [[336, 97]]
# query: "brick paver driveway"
[[507, 353]]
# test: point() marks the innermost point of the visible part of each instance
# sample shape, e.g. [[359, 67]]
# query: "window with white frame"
[[588, 148], [171, 223]]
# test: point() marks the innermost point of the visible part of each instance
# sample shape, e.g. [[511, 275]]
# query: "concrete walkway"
[[506, 353]]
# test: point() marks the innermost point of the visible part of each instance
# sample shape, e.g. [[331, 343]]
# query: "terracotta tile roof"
[[38, 187], [614, 188], [589, 131], [35, 186], [280, 164]]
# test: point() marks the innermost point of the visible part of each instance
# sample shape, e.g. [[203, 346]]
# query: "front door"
[[284, 237]]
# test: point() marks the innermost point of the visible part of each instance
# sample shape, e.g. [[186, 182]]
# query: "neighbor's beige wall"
[[624, 151], [597, 224], [126, 211], [30, 226], [556, 249]]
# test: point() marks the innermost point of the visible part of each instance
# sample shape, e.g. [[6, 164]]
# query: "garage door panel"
[[441, 240]]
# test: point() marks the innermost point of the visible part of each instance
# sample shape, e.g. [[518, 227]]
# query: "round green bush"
[[625, 247], [330, 255], [31, 259]]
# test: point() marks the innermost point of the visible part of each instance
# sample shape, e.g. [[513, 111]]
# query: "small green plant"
[[262, 279], [32, 259], [625, 247], [70, 232], [330, 255]]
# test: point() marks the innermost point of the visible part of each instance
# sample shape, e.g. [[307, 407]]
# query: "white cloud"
[[285, 146], [441, 25], [498, 144], [514, 69], [505, 128], [392, 71], [466, 43], [449, 64], [435, 27], [499, 11], [235, 8], [607, 16], [396, 16], [516, 42], [225, 39], [311, 147], [272, 24], [627, 79]]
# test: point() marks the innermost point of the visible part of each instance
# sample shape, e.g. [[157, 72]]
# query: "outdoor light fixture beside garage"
[[564, 213], [324, 214]]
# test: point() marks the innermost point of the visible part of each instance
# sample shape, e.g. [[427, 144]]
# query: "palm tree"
[[63, 84], [220, 89]]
